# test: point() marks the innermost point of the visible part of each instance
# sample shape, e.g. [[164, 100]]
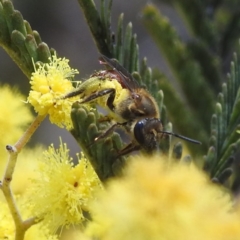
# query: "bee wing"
[[127, 79]]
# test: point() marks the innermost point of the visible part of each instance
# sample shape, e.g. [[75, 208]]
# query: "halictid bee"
[[129, 105]]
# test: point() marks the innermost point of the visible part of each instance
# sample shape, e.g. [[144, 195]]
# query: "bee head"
[[146, 132]]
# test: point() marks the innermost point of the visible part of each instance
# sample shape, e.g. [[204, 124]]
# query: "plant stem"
[[21, 226], [19, 145]]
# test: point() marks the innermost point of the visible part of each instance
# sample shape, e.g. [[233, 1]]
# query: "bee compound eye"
[[139, 132], [146, 133]]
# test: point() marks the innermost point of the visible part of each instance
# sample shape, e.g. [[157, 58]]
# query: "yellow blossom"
[[39, 232], [73, 234], [27, 163], [61, 194], [155, 201], [14, 116], [49, 83], [7, 227]]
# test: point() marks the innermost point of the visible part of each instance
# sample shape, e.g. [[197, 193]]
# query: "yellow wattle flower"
[[15, 116], [7, 226], [156, 201], [49, 83], [73, 234], [27, 164], [7, 229], [61, 192]]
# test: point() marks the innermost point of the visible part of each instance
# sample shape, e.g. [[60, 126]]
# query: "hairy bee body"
[[92, 91], [108, 90], [128, 104]]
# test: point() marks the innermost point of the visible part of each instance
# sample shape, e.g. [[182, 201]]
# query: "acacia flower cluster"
[[13, 118], [49, 83], [156, 201], [11, 104], [61, 191], [7, 226]]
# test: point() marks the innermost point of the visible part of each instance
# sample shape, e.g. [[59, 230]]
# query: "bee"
[[129, 105]]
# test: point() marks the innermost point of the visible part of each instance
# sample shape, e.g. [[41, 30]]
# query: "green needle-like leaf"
[[96, 26], [186, 69], [225, 141], [103, 153], [18, 39]]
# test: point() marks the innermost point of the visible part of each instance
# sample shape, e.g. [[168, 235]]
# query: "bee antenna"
[[182, 137]]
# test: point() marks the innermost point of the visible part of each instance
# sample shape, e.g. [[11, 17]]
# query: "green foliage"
[[23, 44], [224, 140], [102, 154], [186, 70]]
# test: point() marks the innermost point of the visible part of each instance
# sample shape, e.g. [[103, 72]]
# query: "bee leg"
[[110, 100], [99, 94], [128, 149], [74, 93], [106, 133]]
